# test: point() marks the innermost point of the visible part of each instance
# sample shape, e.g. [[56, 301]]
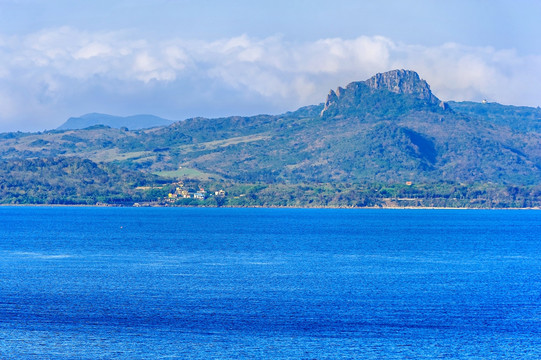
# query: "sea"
[[227, 283]]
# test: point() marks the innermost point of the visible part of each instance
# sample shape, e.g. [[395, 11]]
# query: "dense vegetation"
[[79, 181], [70, 181], [519, 118], [440, 194]]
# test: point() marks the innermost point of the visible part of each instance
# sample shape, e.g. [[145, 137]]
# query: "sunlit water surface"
[[172, 283]]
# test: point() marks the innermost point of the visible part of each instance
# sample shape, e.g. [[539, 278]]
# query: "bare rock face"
[[332, 99], [403, 82]]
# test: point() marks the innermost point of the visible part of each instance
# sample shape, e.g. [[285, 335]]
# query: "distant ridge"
[[133, 122]]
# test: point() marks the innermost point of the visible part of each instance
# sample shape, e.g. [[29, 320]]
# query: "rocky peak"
[[401, 82], [404, 82]]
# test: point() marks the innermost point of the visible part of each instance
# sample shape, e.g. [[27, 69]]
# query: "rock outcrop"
[[400, 82]]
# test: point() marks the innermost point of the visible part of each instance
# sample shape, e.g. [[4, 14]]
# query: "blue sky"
[[178, 58]]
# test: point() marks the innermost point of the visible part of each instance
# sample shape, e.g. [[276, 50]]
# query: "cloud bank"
[[52, 74]]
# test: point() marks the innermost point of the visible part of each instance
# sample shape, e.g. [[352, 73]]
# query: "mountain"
[[369, 141], [388, 94], [131, 122], [390, 129]]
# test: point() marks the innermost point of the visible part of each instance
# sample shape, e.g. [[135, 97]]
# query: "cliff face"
[[363, 95], [403, 82]]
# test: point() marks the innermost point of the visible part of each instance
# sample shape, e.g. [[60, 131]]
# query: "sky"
[[184, 58]]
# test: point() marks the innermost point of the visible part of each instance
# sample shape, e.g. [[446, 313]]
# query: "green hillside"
[[382, 133]]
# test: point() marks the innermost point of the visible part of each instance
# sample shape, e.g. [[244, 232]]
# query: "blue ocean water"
[[178, 283]]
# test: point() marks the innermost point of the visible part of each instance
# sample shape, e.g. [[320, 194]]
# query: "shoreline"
[[271, 207]]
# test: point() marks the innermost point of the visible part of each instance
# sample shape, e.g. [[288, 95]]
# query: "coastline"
[[274, 207]]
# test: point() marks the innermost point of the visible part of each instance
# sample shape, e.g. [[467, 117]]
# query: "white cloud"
[[472, 73], [92, 50], [175, 57], [55, 68], [7, 106]]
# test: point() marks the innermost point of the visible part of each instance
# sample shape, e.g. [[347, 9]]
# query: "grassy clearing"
[[187, 173], [109, 155], [115, 155], [212, 145]]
